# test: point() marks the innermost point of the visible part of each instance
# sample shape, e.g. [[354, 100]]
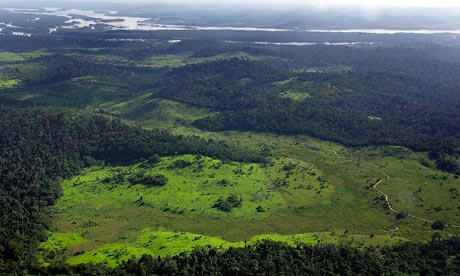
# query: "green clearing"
[[88, 49], [327, 69], [306, 193], [85, 91], [322, 203], [294, 95], [374, 118], [160, 60], [9, 57], [11, 75], [285, 82], [414, 188], [301, 90], [157, 113], [9, 83], [163, 243], [168, 60], [185, 59]]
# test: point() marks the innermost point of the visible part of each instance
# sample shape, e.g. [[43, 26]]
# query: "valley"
[[325, 196], [183, 141]]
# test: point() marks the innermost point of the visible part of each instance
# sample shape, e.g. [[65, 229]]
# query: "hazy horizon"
[[273, 14], [279, 3]]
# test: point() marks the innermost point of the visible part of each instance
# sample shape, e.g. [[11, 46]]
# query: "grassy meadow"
[[311, 197], [309, 191]]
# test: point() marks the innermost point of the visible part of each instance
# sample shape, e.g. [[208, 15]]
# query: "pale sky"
[[320, 3]]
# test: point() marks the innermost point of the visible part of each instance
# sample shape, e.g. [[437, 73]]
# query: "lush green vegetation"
[[328, 212], [40, 146], [196, 144], [243, 87], [8, 83], [269, 258]]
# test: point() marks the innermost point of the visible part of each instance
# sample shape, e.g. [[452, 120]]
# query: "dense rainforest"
[[352, 108], [389, 93], [358, 96], [42, 145]]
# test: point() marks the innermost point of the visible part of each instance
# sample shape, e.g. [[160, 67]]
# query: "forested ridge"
[[42, 145], [403, 95], [352, 108], [358, 96]]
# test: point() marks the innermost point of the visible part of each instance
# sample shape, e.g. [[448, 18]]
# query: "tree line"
[[438, 257], [353, 108], [41, 145]]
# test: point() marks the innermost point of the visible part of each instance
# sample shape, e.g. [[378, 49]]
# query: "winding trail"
[[375, 186], [387, 177], [387, 198]]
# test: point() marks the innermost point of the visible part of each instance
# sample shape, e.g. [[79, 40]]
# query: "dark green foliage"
[[446, 163], [412, 89], [406, 111], [154, 159], [271, 258], [342, 114], [223, 182], [280, 183], [156, 180], [116, 179], [289, 167], [401, 215], [223, 84], [180, 164], [151, 162], [260, 209], [438, 225], [39, 146], [226, 205], [149, 180]]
